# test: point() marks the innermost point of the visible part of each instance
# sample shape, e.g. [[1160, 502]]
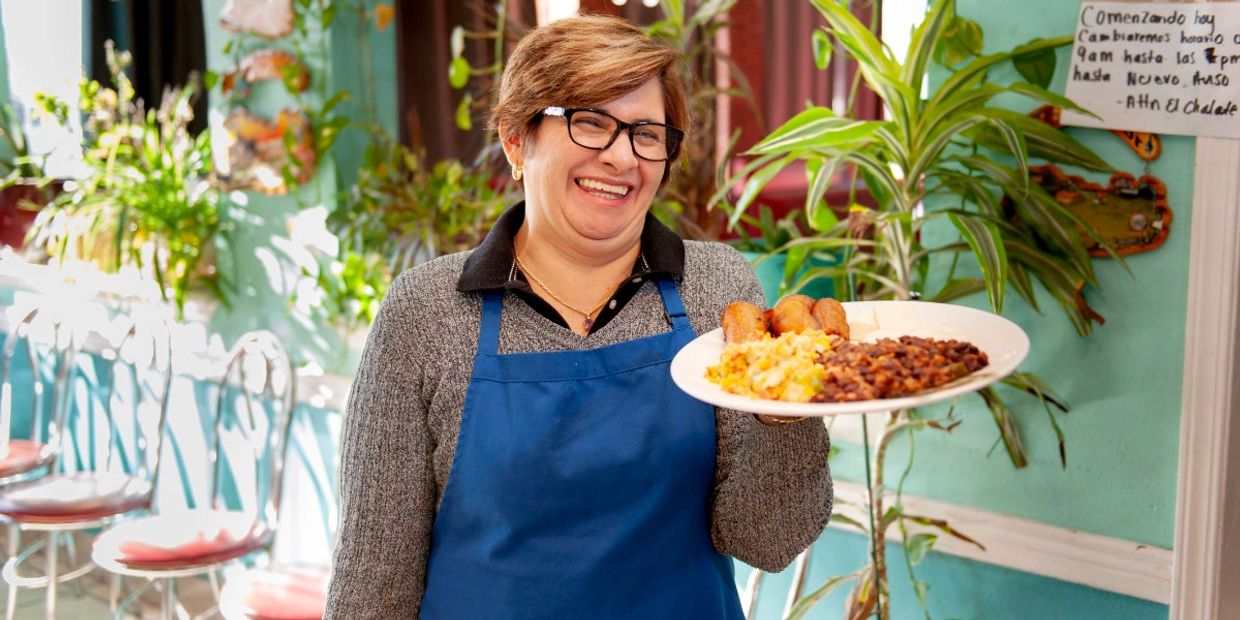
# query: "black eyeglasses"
[[596, 129]]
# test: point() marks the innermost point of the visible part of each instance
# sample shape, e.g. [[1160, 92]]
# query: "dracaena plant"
[[945, 153]]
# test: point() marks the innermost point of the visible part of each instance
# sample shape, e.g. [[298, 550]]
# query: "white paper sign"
[[1159, 67]]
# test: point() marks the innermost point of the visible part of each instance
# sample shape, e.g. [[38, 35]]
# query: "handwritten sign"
[[1158, 67]]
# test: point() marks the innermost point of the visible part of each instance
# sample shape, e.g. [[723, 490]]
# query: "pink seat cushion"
[[24, 456], [278, 592], [74, 497], [183, 539]]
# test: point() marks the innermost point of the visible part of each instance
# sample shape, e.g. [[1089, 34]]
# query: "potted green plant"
[[404, 210], [145, 200], [24, 188], [944, 154]]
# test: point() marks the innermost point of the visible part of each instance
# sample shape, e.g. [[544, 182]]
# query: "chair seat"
[[74, 497], [182, 539], [277, 592], [24, 456]]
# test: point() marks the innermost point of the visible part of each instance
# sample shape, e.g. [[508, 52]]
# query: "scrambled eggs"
[[784, 368]]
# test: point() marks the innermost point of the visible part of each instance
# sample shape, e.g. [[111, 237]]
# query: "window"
[[43, 49]]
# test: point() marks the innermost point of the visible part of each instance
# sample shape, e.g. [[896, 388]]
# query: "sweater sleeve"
[[773, 488], [386, 488]]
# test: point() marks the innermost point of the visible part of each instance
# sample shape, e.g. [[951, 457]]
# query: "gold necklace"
[[588, 316]]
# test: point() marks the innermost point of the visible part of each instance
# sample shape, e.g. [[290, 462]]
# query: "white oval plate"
[[1004, 343]]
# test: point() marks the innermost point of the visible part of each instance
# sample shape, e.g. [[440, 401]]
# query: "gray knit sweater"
[[772, 491]]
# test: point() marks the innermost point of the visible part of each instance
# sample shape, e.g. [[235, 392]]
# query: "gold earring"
[[516, 173]]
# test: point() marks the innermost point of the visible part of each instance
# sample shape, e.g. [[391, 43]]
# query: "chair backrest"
[[36, 419], [254, 400], [112, 393]]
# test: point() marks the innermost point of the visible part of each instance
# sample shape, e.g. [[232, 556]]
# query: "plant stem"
[[879, 533], [877, 548]]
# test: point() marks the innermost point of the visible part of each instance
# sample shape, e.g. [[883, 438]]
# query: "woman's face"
[[589, 200]]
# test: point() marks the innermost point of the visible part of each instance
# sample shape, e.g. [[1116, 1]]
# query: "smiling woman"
[[513, 428]]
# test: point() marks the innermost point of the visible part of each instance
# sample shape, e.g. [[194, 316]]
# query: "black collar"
[[490, 265]]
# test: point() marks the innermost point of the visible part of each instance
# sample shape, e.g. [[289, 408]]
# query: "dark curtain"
[[166, 39], [426, 102]]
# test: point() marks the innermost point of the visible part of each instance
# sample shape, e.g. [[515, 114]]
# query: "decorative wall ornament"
[[272, 19], [1130, 213], [269, 64], [257, 153], [1147, 146]]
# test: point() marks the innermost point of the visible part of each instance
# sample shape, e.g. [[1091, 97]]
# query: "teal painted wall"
[[364, 63]]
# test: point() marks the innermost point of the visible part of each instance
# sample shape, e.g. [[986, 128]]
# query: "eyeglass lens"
[[594, 130]]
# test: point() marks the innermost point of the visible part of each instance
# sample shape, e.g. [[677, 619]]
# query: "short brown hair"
[[581, 62]]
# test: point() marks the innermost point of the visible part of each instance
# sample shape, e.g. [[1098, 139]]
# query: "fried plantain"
[[743, 322], [830, 314], [793, 313]]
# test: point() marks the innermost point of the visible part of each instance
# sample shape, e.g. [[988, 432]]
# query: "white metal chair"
[[105, 461], [245, 461], [28, 456], [283, 589]]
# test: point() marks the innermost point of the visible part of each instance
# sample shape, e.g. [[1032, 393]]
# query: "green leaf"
[[822, 48], [335, 100], [820, 174], [1034, 384], [1057, 276], [464, 120], [328, 16], [921, 588], [1009, 432], [957, 288], [918, 545], [210, 79], [849, 521], [961, 40], [457, 43], [986, 242], [807, 602], [726, 187], [754, 185], [1039, 93], [1037, 66], [709, 10], [925, 38], [1019, 278], [1042, 140], [815, 128], [458, 72], [943, 526], [977, 69]]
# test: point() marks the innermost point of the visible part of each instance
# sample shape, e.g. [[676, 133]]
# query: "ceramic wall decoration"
[[272, 19], [270, 64], [251, 151], [1130, 213]]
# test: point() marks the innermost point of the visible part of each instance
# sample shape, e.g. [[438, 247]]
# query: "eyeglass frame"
[[567, 114]]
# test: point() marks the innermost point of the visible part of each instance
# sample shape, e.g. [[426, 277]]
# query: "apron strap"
[[488, 333], [672, 304]]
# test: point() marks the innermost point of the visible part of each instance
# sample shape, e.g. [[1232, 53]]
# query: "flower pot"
[[15, 214]]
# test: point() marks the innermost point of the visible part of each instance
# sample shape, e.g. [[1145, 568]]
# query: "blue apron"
[[580, 487]]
